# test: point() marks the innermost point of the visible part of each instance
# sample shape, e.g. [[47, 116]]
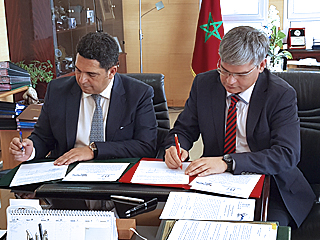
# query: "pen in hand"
[[20, 136], [176, 140]]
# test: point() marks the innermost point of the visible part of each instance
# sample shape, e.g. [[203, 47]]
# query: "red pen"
[[176, 140]]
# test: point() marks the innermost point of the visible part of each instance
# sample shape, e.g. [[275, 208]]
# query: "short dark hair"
[[101, 47]]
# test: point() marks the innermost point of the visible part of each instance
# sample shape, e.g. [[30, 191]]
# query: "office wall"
[[4, 51], [168, 41]]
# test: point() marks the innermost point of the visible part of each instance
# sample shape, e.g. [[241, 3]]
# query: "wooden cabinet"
[[50, 29]]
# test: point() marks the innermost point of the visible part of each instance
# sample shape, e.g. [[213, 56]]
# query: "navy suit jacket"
[[131, 128], [272, 129]]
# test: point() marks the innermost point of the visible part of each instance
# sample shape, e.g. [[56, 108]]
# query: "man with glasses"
[[248, 121]]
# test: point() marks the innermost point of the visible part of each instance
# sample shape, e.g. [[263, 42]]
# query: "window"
[[305, 14], [246, 12]]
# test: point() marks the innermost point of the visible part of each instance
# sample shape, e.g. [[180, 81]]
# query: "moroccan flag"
[[208, 37]]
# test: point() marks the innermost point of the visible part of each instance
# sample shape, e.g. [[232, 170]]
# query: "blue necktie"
[[96, 133]]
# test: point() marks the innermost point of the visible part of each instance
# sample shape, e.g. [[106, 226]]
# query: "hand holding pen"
[[20, 136], [176, 140]]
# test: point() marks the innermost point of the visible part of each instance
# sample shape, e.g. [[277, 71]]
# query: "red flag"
[[208, 37]]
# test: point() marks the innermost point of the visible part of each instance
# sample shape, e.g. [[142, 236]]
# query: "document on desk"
[[38, 172], [197, 206], [203, 230], [96, 172], [157, 172], [61, 224], [227, 184]]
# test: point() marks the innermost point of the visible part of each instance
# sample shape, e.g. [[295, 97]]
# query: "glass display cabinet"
[[71, 19]]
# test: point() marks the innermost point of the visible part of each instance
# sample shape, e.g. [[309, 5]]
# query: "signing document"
[[227, 184], [197, 206], [156, 172], [38, 172], [203, 230], [96, 172]]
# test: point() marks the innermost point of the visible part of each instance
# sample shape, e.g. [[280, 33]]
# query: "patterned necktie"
[[96, 133], [231, 126]]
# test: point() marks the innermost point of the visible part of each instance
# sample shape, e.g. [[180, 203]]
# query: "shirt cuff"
[[32, 154]]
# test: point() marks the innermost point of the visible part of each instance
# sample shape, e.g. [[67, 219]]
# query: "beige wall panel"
[[4, 50], [167, 45]]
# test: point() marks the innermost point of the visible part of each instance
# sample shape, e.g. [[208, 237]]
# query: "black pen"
[[142, 206], [40, 231]]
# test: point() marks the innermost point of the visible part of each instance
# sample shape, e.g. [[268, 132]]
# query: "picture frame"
[[296, 38]]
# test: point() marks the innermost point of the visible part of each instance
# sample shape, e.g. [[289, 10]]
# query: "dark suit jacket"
[[131, 123], [273, 133]]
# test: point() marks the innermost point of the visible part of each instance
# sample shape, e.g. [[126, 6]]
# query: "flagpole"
[[140, 36]]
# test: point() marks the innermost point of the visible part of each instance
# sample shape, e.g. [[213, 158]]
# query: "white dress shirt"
[[242, 113], [87, 107]]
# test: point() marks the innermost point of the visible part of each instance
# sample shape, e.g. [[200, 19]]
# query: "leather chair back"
[[156, 80], [307, 86]]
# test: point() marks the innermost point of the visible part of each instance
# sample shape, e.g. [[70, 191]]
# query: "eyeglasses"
[[226, 73]]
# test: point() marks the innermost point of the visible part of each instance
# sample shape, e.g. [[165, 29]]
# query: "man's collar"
[[244, 96], [106, 93]]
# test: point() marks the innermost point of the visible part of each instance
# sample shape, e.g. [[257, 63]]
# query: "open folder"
[[127, 177]]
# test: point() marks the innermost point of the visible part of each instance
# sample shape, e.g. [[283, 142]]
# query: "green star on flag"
[[215, 31], [206, 53]]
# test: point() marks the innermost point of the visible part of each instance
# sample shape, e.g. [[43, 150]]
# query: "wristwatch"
[[94, 149], [229, 161]]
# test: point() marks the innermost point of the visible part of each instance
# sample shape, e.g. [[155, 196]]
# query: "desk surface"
[[102, 191]]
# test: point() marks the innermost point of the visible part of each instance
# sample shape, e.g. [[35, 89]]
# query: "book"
[[8, 124], [8, 87], [60, 224], [8, 116], [13, 72], [14, 79], [11, 65], [30, 113]]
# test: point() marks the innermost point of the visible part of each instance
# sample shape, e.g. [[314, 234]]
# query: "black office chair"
[[310, 166], [156, 80], [307, 86]]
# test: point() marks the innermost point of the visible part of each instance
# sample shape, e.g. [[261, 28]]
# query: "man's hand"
[[21, 151], [74, 155], [172, 159], [206, 166]]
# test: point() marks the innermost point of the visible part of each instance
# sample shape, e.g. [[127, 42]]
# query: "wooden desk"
[[5, 139], [103, 190]]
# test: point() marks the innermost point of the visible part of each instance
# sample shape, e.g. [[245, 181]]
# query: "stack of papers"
[[203, 230], [227, 184], [187, 205]]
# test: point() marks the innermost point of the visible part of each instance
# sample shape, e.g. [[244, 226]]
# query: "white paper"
[[61, 224], [2, 232], [187, 205], [96, 172], [227, 184], [38, 172], [156, 172], [25, 203], [203, 230]]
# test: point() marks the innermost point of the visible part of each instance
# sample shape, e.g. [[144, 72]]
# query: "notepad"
[[61, 224]]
